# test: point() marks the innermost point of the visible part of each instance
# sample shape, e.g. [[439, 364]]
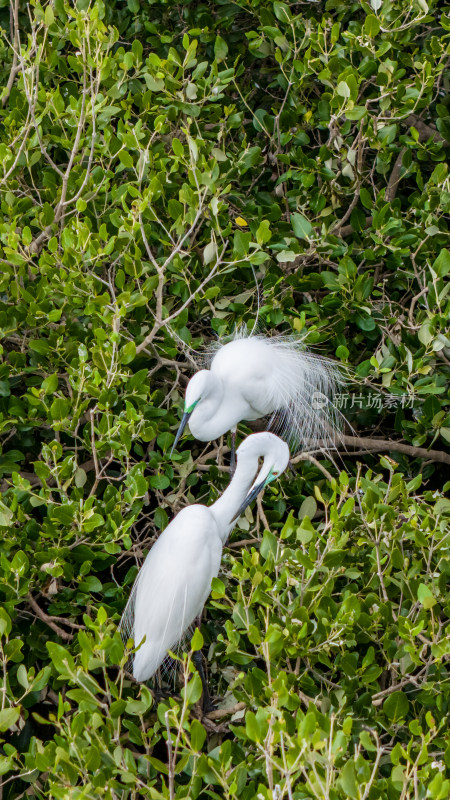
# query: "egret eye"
[[275, 473]]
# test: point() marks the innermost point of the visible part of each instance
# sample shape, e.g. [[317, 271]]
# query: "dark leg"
[[233, 452], [157, 690], [197, 658]]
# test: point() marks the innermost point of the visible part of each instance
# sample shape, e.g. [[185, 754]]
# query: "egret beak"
[[253, 493], [183, 423]]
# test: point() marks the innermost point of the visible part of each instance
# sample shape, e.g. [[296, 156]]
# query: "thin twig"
[[171, 770], [158, 325]]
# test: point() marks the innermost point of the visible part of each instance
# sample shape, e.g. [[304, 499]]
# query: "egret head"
[[198, 389], [275, 454]]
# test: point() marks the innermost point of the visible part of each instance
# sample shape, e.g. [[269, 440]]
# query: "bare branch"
[[67, 637], [158, 325], [388, 445]]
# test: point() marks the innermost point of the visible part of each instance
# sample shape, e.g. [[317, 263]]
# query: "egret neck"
[[247, 482]]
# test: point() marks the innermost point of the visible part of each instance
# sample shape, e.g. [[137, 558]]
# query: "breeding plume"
[[256, 376], [172, 586]]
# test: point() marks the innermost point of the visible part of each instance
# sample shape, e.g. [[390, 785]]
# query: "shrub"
[[168, 172]]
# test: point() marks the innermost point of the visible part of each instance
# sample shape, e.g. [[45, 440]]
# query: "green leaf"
[[263, 233], [5, 622], [425, 334], [442, 263], [125, 158], [197, 640], [425, 596], [365, 197], [198, 735], [59, 409], [6, 515], [154, 84], [177, 147], [93, 522], [396, 706], [301, 226], [343, 89], [160, 482], [80, 478], [330, 280], [50, 384], [27, 236], [372, 25], [40, 346], [308, 508], [8, 718], [348, 781], [193, 691], [252, 727], [217, 588], [286, 256], [210, 253], [91, 584], [445, 433], [49, 16], [220, 49], [61, 658], [128, 353]]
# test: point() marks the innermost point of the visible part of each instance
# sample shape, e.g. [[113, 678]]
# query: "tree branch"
[[383, 445], [219, 713], [67, 637], [391, 188], [15, 68], [425, 132]]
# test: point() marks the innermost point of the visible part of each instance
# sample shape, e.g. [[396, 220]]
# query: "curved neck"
[[234, 495]]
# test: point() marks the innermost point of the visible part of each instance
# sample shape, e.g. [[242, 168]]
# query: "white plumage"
[[256, 376], [171, 588]]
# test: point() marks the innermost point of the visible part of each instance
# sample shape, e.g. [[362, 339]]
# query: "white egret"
[[255, 376], [175, 580]]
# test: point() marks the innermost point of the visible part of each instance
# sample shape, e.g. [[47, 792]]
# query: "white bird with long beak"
[[256, 376], [173, 584]]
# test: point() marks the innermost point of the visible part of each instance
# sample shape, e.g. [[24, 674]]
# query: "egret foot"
[[233, 452], [207, 704]]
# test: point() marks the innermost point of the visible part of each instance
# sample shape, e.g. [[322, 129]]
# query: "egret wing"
[[279, 376], [172, 587]]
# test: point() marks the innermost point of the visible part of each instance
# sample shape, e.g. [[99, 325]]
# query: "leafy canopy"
[[165, 169]]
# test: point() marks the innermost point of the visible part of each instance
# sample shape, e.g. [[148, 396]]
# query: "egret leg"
[[157, 691], [207, 703], [233, 452]]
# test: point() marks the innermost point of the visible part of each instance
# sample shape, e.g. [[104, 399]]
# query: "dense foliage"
[[165, 168]]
